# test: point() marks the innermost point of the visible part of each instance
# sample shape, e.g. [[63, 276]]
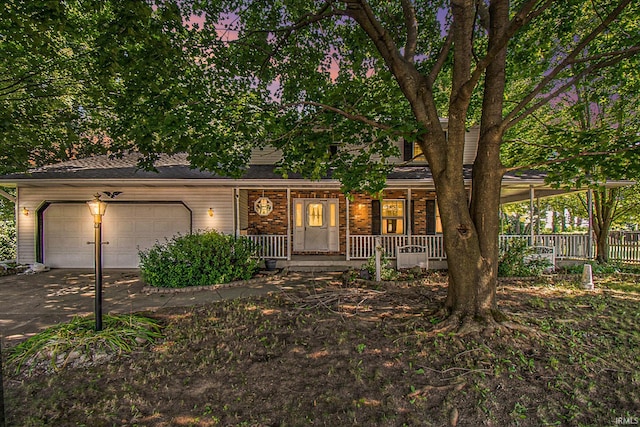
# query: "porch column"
[[348, 242], [409, 215], [289, 235], [236, 194], [531, 220], [590, 213]]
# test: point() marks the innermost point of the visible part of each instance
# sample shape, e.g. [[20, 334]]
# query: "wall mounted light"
[[25, 211], [210, 212]]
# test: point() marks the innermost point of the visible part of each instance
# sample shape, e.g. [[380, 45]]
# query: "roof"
[[176, 168]]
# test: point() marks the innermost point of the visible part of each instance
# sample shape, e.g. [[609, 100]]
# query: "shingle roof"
[[177, 166]]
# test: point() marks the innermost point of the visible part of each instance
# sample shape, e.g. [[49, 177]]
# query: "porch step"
[[315, 265]]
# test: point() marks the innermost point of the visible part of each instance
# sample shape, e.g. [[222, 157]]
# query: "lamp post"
[[98, 208]]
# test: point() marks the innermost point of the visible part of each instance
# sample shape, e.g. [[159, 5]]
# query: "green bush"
[[513, 262], [387, 272], [201, 259], [7, 240]]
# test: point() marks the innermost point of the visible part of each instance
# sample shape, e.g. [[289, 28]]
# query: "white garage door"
[[127, 228]]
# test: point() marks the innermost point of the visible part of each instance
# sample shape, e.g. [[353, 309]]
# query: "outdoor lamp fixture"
[[25, 211], [98, 208], [210, 212]]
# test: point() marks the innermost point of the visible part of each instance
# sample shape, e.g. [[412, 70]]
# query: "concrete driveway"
[[29, 303]]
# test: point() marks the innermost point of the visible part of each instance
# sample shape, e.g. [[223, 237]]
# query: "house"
[[294, 220]]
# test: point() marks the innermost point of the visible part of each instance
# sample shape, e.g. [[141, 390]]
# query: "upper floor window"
[[413, 152]]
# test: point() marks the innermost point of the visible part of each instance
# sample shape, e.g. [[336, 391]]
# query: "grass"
[[338, 355], [78, 343]]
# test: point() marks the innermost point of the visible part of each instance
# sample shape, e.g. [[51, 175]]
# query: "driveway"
[[29, 303]]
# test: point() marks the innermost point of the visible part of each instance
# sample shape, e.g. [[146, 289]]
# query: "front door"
[[316, 225]]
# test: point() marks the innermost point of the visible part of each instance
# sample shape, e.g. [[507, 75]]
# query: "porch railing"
[[567, 246], [364, 246], [270, 245]]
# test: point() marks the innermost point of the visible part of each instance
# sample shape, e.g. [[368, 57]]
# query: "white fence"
[[624, 246]]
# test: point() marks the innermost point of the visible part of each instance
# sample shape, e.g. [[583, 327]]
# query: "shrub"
[[513, 260], [200, 259], [7, 240], [387, 272]]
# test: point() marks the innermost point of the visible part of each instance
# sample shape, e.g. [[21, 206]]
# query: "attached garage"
[[67, 232]]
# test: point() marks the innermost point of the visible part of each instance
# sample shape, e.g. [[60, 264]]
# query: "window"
[[315, 216], [413, 152], [392, 217]]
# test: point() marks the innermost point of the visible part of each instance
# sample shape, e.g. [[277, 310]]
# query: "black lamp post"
[[98, 208]]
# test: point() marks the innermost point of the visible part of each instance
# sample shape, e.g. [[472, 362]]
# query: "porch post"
[[236, 194], [531, 224], [590, 235], [289, 235], [348, 242], [409, 215]]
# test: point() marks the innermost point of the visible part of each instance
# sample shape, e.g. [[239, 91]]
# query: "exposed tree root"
[[464, 324]]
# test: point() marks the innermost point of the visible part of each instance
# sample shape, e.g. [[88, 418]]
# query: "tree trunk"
[[605, 201]]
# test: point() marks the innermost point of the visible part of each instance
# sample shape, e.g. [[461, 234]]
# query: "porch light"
[[25, 211], [97, 208], [210, 212]]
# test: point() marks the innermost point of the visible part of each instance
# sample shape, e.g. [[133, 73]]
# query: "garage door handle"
[[93, 243]]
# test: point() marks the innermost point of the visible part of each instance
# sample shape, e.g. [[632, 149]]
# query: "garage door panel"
[[127, 227]]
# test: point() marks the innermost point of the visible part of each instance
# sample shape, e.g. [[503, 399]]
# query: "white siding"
[[471, 145], [265, 156], [197, 199]]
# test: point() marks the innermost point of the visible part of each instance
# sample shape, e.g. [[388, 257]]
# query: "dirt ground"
[[332, 354]]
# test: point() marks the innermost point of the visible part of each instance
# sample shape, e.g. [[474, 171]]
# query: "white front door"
[[316, 225]]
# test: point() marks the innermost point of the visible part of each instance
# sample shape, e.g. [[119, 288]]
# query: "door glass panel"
[[332, 215], [298, 214], [314, 215]]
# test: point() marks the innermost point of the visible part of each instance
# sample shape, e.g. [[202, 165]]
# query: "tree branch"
[[523, 17], [575, 156], [345, 114], [509, 119], [411, 23], [442, 57]]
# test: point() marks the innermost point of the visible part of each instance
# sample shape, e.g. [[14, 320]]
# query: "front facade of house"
[[289, 218]]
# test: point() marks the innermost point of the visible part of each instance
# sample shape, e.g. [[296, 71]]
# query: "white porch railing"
[[566, 245], [621, 248], [364, 246], [270, 245]]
